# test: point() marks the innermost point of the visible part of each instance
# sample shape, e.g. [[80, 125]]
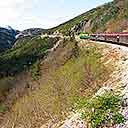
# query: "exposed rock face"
[[7, 38], [33, 31], [30, 32], [82, 26], [79, 27]]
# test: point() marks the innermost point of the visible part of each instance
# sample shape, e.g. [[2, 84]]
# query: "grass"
[[5, 84], [25, 56], [81, 75], [101, 111], [35, 70], [2, 108]]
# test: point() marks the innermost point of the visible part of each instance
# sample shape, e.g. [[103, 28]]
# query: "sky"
[[23, 14]]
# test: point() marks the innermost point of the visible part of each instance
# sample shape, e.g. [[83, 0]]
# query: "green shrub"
[[35, 70], [100, 111], [107, 11], [2, 108]]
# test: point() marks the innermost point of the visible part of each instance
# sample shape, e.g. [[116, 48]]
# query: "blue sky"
[[22, 14]]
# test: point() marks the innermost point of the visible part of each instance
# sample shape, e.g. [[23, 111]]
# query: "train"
[[119, 38]]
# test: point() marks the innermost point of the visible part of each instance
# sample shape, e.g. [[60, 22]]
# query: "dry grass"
[[69, 77]]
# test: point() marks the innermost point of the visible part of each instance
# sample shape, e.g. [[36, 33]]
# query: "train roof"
[[111, 34]]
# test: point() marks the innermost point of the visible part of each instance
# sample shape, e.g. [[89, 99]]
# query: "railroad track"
[[111, 42]]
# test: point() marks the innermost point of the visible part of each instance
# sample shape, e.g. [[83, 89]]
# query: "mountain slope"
[[30, 32], [24, 54], [7, 38], [65, 73], [39, 77], [111, 17]]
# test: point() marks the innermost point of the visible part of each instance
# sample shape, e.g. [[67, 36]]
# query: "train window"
[[118, 38]]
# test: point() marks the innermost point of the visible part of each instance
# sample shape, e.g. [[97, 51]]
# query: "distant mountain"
[[30, 32], [7, 37]]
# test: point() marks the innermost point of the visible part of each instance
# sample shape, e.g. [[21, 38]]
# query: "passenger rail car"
[[119, 38]]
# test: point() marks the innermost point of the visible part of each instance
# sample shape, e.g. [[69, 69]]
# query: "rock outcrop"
[[30, 32]]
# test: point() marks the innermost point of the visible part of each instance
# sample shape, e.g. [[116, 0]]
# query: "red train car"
[[121, 37]]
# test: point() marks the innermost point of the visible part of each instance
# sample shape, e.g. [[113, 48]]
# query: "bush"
[[2, 108], [35, 70], [101, 110]]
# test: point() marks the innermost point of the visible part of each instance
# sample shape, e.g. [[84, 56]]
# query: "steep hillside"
[[25, 53], [44, 94], [10, 36], [21, 57], [111, 17]]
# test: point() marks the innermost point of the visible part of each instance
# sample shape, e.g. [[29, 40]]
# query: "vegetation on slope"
[[81, 74], [99, 19], [24, 54], [101, 111]]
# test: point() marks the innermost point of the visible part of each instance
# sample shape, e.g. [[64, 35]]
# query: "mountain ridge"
[[110, 17]]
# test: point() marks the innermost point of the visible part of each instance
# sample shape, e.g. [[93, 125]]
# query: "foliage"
[[24, 54], [2, 108], [35, 70], [66, 27], [58, 87], [99, 19], [102, 110]]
